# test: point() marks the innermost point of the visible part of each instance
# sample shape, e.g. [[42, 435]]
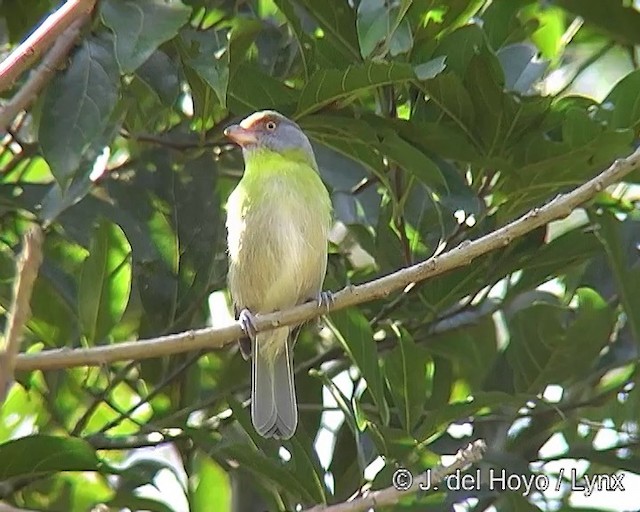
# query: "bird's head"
[[271, 131]]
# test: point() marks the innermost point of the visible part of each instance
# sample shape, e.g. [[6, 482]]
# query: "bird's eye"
[[270, 125]]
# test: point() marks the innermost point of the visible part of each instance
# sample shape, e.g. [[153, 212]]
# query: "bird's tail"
[[274, 411]]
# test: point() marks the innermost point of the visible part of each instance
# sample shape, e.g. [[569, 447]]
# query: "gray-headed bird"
[[278, 221]]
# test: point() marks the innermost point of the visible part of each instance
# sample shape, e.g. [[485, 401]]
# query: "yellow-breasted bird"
[[278, 221]]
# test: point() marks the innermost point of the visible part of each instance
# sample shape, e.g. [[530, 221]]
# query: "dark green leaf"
[[77, 106], [338, 21], [356, 336], [406, 368], [251, 89], [161, 74], [624, 99], [140, 26], [329, 85], [626, 271], [207, 54]]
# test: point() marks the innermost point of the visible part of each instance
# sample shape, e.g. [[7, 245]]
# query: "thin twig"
[[408, 484], [41, 40], [26, 271], [41, 76], [459, 256]]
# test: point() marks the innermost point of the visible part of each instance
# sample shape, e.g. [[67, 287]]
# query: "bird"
[[278, 221]]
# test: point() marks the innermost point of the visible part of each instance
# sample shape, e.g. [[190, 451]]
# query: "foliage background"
[[434, 122]]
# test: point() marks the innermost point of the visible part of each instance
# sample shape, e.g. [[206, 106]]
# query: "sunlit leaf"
[[105, 282]]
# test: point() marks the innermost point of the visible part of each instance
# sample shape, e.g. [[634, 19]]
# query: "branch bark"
[[402, 486], [26, 272], [41, 76], [459, 256], [42, 39]]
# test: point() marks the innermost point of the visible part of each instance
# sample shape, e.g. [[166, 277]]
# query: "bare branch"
[[41, 40], [41, 76], [457, 257], [26, 271], [4, 507], [471, 454]]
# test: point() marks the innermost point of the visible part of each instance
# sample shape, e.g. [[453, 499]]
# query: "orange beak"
[[241, 136]]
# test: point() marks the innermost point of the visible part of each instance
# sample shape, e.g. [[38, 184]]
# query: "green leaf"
[[305, 42], [620, 20], [330, 85], [545, 166], [586, 336], [502, 24], [625, 100], [444, 415], [209, 485], [460, 46], [207, 54], [77, 106], [21, 17], [551, 28], [251, 89], [40, 454], [451, 100], [54, 317], [484, 76], [382, 24], [307, 467], [351, 137], [471, 349], [513, 502], [337, 20], [411, 159], [541, 352], [141, 26], [160, 73], [105, 282], [626, 272], [555, 258], [354, 333], [405, 370], [268, 469]]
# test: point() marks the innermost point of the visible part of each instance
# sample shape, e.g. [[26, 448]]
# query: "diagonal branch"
[[457, 257], [41, 40], [41, 76], [405, 483]]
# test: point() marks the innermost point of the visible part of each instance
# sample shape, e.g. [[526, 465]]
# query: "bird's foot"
[[248, 323], [325, 300]]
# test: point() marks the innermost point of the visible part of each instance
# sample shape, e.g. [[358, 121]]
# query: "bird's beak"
[[241, 136]]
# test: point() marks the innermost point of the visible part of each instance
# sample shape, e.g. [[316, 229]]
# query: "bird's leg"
[[325, 299], [248, 323]]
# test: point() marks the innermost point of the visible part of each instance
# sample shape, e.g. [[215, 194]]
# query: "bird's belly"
[[280, 261]]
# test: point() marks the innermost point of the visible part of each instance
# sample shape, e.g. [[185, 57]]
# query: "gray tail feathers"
[[274, 411]]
